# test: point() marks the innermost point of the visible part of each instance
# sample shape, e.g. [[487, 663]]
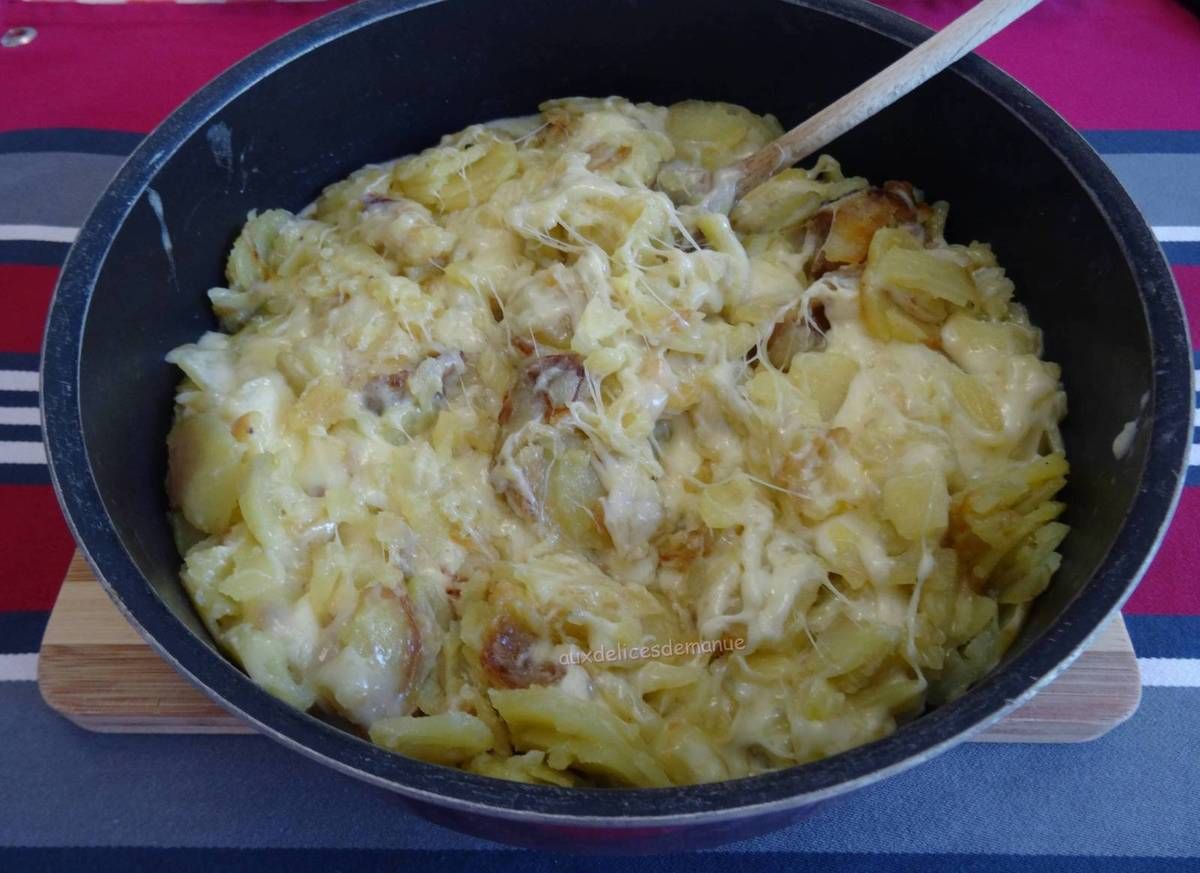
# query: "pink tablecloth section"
[[77, 98]]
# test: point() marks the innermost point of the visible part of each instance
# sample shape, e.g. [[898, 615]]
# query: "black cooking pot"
[[384, 78]]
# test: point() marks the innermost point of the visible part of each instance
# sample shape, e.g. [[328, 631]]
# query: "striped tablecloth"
[[77, 99]]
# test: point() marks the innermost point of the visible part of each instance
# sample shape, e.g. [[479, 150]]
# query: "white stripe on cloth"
[[38, 233], [18, 668], [1170, 672], [20, 415], [1169, 233], [18, 380], [22, 453], [1194, 456]]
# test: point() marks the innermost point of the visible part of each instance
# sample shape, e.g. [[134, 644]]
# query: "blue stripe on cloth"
[[1182, 254], [1165, 636], [20, 433], [52, 189], [1153, 165], [24, 474], [19, 361], [1129, 793], [21, 632], [1155, 183], [18, 398], [45, 254], [137, 860], [70, 139], [1124, 142]]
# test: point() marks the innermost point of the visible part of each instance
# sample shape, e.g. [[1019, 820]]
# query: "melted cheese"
[[507, 400]]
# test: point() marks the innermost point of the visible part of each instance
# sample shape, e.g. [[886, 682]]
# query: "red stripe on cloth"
[[1169, 587], [26, 293], [1106, 64], [1110, 64], [127, 67], [1188, 279], [35, 546]]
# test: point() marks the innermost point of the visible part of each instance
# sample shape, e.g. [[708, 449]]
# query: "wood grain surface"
[[97, 671]]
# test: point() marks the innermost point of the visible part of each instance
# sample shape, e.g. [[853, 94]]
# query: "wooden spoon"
[[729, 184]]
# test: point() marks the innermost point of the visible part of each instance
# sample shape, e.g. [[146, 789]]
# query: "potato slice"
[[917, 504], [204, 471], [447, 738], [825, 377], [573, 499], [711, 134], [447, 179], [583, 734]]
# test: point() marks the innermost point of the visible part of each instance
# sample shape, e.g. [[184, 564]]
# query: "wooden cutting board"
[[96, 671]]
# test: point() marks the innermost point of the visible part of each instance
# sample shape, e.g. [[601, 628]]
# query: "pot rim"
[[1161, 483]]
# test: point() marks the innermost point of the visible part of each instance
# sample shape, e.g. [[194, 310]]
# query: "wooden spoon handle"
[[881, 90]]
